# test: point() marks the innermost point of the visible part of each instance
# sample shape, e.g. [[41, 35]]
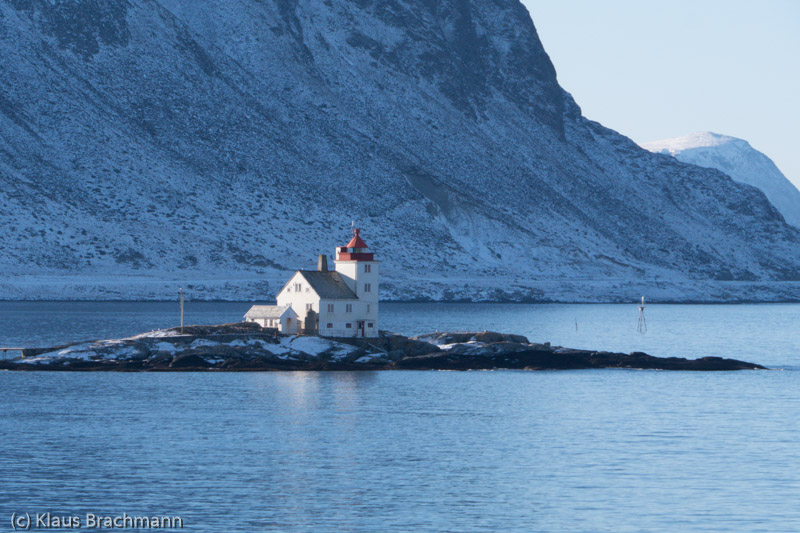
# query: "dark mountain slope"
[[218, 143]]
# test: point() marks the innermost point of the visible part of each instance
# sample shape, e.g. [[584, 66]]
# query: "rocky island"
[[249, 347]]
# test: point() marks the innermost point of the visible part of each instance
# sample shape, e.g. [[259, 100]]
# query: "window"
[[370, 324], [348, 308], [367, 287], [309, 307], [348, 325], [367, 268], [368, 310], [329, 325], [298, 287], [330, 308]]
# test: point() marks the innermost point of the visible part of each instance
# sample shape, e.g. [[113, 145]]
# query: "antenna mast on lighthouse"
[[642, 327]]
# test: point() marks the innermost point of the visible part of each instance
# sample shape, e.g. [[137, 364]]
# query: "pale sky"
[[658, 69]]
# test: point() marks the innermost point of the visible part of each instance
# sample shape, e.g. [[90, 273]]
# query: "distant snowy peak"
[[740, 161], [704, 139]]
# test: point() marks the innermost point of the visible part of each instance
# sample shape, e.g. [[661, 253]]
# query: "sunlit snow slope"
[[220, 144], [736, 158]]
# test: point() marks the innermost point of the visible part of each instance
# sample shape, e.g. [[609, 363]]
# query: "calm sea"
[[597, 450]]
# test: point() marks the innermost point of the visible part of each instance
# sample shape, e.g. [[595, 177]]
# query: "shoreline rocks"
[[248, 347]]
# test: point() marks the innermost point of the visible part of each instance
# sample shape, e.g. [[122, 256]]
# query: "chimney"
[[322, 263]]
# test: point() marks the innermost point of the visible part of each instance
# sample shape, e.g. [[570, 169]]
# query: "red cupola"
[[356, 249]]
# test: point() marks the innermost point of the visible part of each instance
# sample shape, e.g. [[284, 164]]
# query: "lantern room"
[[355, 250]]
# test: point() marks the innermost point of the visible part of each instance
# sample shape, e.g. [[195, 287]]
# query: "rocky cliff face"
[[217, 144], [736, 158]]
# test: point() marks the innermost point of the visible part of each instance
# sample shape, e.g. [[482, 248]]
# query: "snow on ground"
[[39, 359], [78, 351], [155, 334], [113, 349], [167, 347], [251, 342], [199, 343], [83, 351], [450, 346], [315, 346], [281, 348]]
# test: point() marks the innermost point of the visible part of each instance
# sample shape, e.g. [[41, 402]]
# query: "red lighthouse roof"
[[356, 241], [356, 249]]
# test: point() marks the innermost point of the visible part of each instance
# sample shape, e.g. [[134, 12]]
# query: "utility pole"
[[181, 295]]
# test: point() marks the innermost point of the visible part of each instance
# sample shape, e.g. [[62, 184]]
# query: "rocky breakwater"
[[489, 350], [248, 347]]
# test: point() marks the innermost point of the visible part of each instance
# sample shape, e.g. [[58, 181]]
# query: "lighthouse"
[[357, 265], [331, 303]]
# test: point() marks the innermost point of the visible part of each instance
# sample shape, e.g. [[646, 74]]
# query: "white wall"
[[298, 300], [357, 278], [340, 318], [286, 323], [365, 308], [353, 272], [289, 323]]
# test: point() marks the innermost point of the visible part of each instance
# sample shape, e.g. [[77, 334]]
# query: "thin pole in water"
[[181, 295], [642, 327]]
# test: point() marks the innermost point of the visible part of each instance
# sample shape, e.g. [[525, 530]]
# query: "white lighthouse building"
[[332, 303]]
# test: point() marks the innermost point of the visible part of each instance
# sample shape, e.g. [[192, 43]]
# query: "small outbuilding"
[[281, 317]]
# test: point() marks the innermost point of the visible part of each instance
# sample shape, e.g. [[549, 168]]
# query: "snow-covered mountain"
[[218, 145], [736, 158]]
